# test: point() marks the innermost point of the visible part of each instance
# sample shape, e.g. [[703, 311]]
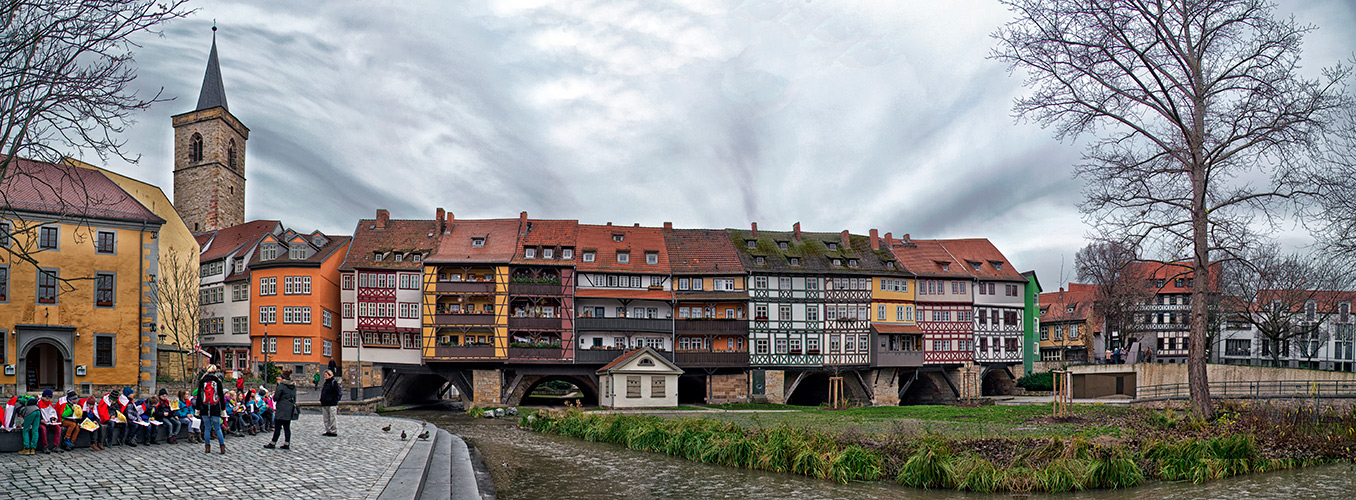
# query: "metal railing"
[[1254, 389]]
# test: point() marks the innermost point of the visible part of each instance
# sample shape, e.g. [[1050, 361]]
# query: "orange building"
[[295, 306]]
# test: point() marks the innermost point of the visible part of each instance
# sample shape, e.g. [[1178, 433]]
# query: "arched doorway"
[[554, 390], [45, 368]]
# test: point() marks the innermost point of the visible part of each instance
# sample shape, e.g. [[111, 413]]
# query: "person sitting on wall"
[[109, 410], [90, 423], [72, 413], [49, 432], [184, 414]]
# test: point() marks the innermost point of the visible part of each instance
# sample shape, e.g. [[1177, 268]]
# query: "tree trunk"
[[1197, 377]]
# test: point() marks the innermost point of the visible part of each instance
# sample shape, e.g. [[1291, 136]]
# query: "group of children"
[[119, 418]]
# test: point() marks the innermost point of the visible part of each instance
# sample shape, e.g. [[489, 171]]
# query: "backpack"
[[210, 397]]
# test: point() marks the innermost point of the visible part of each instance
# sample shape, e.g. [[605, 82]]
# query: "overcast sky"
[[705, 113]]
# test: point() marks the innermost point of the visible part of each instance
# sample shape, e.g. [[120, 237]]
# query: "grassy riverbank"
[[984, 449]]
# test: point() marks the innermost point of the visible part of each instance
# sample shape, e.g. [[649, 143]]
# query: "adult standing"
[[329, 404], [211, 406], [285, 411]]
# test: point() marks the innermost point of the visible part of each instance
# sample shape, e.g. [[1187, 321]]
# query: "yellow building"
[[892, 318], [76, 273], [466, 292]]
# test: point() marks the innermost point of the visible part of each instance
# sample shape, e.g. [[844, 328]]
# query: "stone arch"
[[587, 387], [927, 389], [996, 380]]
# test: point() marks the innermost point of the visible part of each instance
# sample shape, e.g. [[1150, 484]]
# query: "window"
[[47, 285], [240, 292], [618, 237], [378, 256], [751, 243], [632, 386], [348, 309], [477, 242], [268, 286], [723, 284], [273, 345], [683, 283], [781, 346], [103, 289], [4, 285], [230, 154], [588, 256], [784, 312], [656, 386], [760, 312], [306, 346], [268, 252], [833, 247], [1237, 347], [1343, 308], [760, 281], [784, 283], [1310, 311], [696, 283], [5, 229], [812, 312], [296, 346], [327, 318], [328, 348], [635, 281], [623, 257], [104, 242], [759, 261], [760, 346], [240, 324], [795, 261], [899, 313], [838, 262], [651, 258], [567, 253], [47, 238], [548, 253], [657, 281], [852, 262], [529, 253], [268, 315], [103, 350], [195, 148]]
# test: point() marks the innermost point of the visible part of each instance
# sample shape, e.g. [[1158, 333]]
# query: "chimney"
[[382, 216], [795, 232], [447, 224], [889, 242], [905, 238], [847, 244], [441, 215], [875, 240], [609, 223], [636, 225], [755, 229], [668, 227]]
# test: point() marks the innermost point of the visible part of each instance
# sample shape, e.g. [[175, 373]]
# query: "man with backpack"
[[211, 406]]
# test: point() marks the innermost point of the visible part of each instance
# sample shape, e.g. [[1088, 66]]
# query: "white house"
[[639, 379]]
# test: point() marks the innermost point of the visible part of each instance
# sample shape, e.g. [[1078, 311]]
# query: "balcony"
[[711, 359], [536, 353], [535, 289], [711, 326], [463, 352], [605, 356], [534, 323], [887, 359], [482, 287], [463, 319], [624, 324]]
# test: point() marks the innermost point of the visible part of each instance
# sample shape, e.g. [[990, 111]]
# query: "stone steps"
[[437, 469]]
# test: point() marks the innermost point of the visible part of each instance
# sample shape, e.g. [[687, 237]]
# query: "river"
[[532, 466]]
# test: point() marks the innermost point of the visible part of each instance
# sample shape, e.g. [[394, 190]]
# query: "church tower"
[[209, 157]]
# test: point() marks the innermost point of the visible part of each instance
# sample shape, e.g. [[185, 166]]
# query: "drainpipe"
[[141, 304]]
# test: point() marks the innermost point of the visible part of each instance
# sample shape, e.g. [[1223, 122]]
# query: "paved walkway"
[[355, 465]]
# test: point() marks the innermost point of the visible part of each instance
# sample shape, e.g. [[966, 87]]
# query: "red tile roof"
[[399, 235], [1079, 296], [982, 259], [68, 190], [501, 242], [548, 234], [621, 360], [896, 329], [226, 240], [704, 251], [1169, 272], [324, 253], [926, 257], [637, 240]]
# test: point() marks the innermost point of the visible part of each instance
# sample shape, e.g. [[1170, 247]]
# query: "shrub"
[[929, 467], [1037, 382]]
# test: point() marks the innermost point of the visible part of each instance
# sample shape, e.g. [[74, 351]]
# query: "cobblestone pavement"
[[355, 465]]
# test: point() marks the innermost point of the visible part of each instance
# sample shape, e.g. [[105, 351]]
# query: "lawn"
[[952, 421]]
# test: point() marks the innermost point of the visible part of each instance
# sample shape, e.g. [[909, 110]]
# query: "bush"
[[1037, 382]]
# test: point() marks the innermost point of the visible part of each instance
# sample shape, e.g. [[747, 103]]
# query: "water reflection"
[[528, 465]]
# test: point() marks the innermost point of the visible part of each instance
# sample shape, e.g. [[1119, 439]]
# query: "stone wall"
[[488, 386], [728, 388], [1147, 374], [208, 193], [885, 386], [774, 383]]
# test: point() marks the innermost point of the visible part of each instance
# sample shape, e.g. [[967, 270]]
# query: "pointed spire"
[[213, 92]]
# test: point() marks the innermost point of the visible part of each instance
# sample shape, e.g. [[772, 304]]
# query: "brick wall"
[[728, 388]]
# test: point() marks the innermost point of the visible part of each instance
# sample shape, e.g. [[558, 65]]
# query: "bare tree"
[[66, 70], [1107, 265], [1286, 299], [1201, 122], [176, 296]]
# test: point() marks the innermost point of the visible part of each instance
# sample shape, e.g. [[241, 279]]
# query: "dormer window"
[[783, 245], [946, 267], [852, 262], [623, 257], [618, 237], [399, 257], [588, 256], [268, 252], [1069, 309], [751, 243], [759, 261], [998, 266], [567, 253], [833, 247], [477, 242], [795, 261], [298, 251], [976, 265], [529, 253], [378, 256], [548, 253], [890, 265], [417, 257], [838, 262], [652, 258]]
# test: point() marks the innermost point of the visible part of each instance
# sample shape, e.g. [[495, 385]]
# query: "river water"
[[532, 466]]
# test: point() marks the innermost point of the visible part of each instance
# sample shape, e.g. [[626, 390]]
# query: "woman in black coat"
[[285, 410]]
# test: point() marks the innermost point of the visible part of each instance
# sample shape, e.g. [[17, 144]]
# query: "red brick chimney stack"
[[383, 215], [846, 242], [875, 239], [441, 216], [889, 241], [755, 229], [668, 227], [795, 232]]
